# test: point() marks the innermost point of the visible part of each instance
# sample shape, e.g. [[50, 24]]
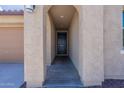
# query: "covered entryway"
[[62, 35], [84, 25]]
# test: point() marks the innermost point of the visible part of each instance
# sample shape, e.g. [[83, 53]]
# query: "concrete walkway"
[[62, 74]]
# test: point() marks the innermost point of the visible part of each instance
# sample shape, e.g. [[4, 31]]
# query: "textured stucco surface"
[[113, 60], [92, 27], [50, 39], [34, 48], [74, 40], [53, 41], [100, 42]]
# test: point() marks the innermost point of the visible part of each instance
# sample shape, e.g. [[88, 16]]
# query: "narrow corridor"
[[62, 74]]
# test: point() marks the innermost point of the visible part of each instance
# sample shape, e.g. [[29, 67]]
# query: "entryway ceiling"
[[62, 15]]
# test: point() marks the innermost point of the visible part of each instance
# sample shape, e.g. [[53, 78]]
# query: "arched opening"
[[62, 46]]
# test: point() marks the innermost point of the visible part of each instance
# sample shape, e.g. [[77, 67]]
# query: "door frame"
[[61, 31]]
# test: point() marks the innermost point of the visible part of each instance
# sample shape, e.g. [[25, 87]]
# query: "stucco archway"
[[75, 57], [90, 46]]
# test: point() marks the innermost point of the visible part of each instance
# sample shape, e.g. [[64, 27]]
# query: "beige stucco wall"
[[50, 37], [11, 45], [48, 40], [92, 27], [74, 40], [100, 42], [53, 41], [34, 48], [89, 63], [113, 60]]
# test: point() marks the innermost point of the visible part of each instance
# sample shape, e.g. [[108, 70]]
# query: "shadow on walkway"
[[62, 74]]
